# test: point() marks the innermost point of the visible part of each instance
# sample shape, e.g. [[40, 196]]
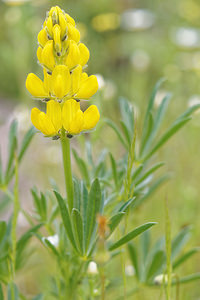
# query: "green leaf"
[[126, 205], [114, 170], [157, 121], [84, 201], [146, 132], [137, 172], [178, 124], [151, 189], [82, 167], [26, 142], [187, 279], [149, 172], [11, 148], [151, 103], [131, 235], [180, 240], [26, 236], [126, 132], [78, 227], [1, 293], [118, 132], [2, 230], [134, 259], [114, 222], [127, 113], [50, 246], [145, 244], [16, 293], [93, 208], [77, 196], [157, 262], [66, 219], [185, 257]]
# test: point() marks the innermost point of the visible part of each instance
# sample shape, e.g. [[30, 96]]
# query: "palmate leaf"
[[131, 235]]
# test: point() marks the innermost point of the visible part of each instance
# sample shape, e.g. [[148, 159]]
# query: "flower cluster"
[[63, 58]]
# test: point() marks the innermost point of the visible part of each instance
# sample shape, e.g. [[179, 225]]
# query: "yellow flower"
[[68, 116], [51, 122], [38, 88], [62, 85]]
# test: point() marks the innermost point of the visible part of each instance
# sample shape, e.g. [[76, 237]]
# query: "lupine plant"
[[87, 229]]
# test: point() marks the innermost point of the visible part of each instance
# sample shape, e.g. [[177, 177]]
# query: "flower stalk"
[[65, 143]]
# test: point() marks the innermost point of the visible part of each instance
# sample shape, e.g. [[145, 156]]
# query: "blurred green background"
[[132, 44]]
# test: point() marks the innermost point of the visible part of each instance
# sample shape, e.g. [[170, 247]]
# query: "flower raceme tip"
[[68, 116]]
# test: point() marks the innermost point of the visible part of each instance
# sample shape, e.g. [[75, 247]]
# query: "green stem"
[[67, 169], [14, 226]]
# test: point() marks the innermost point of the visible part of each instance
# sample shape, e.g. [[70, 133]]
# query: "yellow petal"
[[47, 81], [70, 19], [35, 117], [57, 38], [42, 37], [54, 114], [73, 55], [35, 86], [84, 54], [49, 26], [87, 88], [61, 81], [75, 79], [63, 24], [47, 56], [69, 111], [91, 117], [46, 125], [73, 33], [76, 125], [39, 54]]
